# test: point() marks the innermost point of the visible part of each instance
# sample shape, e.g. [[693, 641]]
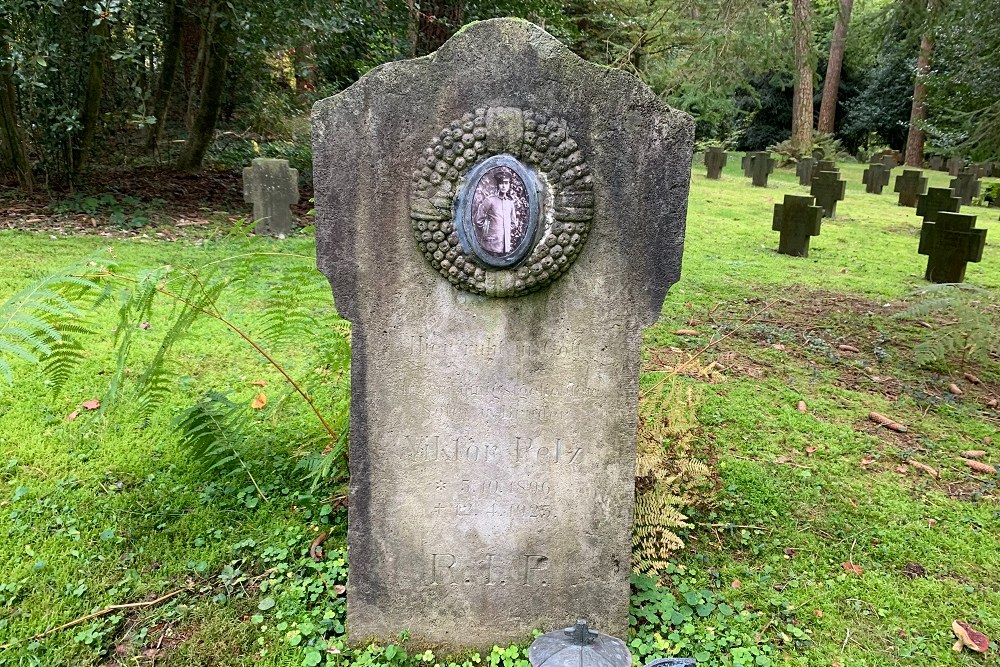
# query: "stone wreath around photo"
[[547, 203]]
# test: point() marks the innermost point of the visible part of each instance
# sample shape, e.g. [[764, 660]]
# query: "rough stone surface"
[[966, 186], [493, 439], [798, 219], [715, 160], [761, 165], [876, 177], [935, 201], [271, 187], [936, 163], [955, 165], [828, 188], [910, 185], [804, 170], [949, 244]]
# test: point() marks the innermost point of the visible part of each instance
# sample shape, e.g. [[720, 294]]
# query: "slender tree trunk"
[[831, 84], [802, 98], [436, 21], [174, 13], [91, 113], [914, 154], [219, 45], [13, 152]]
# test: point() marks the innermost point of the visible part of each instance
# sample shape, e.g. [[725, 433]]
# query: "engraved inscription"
[[448, 569], [464, 449]]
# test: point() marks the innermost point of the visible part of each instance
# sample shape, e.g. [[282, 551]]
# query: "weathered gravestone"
[[804, 170], [817, 154], [966, 186], [936, 163], [747, 162], [889, 161], [955, 165], [499, 221], [910, 185], [825, 165], [828, 189], [715, 160], [271, 187], [935, 201], [761, 166], [980, 169], [949, 244], [875, 178], [797, 219]]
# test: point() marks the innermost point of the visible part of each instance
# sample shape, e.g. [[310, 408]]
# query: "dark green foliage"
[[966, 330]]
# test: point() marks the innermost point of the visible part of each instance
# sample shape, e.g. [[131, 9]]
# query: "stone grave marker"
[[889, 161], [875, 177], [271, 187], [825, 165], [966, 186], [499, 222], [910, 185], [715, 160], [828, 188], [955, 165], [935, 201], [949, 244], [817, 154], [761, 166], [936, 163], [798, 219], [804, 170]]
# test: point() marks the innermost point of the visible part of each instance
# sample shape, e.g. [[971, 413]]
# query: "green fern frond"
[[58, 365], [214, 431], [290, 311]]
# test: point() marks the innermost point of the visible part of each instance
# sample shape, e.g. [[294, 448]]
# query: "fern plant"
[[965, 329], [667, 478]]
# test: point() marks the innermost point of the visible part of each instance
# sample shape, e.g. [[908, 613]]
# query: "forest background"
[[192, 83]]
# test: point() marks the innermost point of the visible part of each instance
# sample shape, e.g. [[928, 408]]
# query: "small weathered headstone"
[[828, 188], [935, 201], [995, 169], [955, 165], [715, 160], [761, 166], [804, 170], [889, 160], [910, 185], [966, 186], [797, 219], [271, 187], [825, 165], [818, 154], [936, 163], [949, 244], [980, 169], [875, 177], [747, 162], [499, 221]]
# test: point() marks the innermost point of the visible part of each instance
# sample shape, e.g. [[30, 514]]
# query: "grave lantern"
[[578, 646]]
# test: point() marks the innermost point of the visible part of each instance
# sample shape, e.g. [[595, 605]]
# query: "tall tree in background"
[[173, 13], [831, 84], [13, 152], [914, 152], [802, 97]]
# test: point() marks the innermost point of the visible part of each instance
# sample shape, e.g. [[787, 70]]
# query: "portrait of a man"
[[500, 211]]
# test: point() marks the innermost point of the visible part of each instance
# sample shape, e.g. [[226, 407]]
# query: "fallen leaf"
[[979, 466], [686, 332], [92, 404], [801, 407], [736, 583], [974, 453], [853, 568], [988, 440], [867, 461], [818, 613], [340, 589], [73, 415], [972, 378], [144, 326], [847, 348], [259, 383], [925, 468], [810, 450], [902, 468], [778, 346], [931, 523], [790, 552], [259, 401], [992, 403], [955, 389], [969, 637]]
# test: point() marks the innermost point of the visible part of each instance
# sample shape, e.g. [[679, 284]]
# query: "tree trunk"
[[432, 22], [802, 105], [219, 45], [91, 112], [13, 153], [914, 154], [831, 84], [174, 13]]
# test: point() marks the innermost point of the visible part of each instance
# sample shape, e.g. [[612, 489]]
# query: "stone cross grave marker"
[[889, 161], [936, 163], [935, 201], [747, 161], [949, 244], [761, 165], [980, 169], [955, 165], [715, 160], [875, 178], [825, 165], [271, 187], [910, 185], [966, 186], [828, 188], [804, 170], [797, 219], [499, 221]]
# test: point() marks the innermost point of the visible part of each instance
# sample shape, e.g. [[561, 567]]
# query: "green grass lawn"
[[818, 545]]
